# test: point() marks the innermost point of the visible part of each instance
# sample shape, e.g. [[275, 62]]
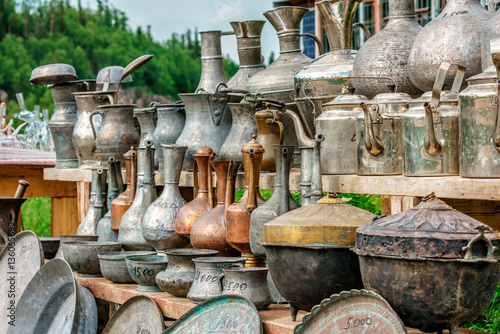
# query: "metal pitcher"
[[380, 134], [63, 120], [386, 53], [104, 230], [250, 283], [158, 226], [280, 202], [122, 203], [171, 119], [88, 226], [242, 129], [454, 36], [431, 129], [212, 69], [338, 124], [83, 137], [206, 280], [311, 88], [480, 122], [130, 234], [249, 52], [147, 123]]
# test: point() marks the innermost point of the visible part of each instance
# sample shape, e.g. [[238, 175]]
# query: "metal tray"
[[226, 314], [139, 314], [54, 303]]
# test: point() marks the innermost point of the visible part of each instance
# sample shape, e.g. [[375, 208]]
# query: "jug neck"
[[252, 164], [338, 18], [212, 69], [289, 42], [202, 160], [173, 156], [248, 42], [401, 9], [286, 21], [283, 155], [221, 170]]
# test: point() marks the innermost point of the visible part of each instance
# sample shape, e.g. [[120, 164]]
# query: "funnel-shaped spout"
[[338, 17], [248, 29], [286, 19]]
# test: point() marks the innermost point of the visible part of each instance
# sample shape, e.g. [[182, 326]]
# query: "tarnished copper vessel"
[[122, 203], [88, 225], [437, 267], [209, 231], [117, 131], [158, 226], [238, 214], [202, 191], [130, 233], [280, 202], [313, 245], [270, 131]]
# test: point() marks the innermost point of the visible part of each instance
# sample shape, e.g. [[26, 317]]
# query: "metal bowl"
[[82, 255], [114, 268], [69, 238], [50, 246], [143, 270], [53, 74], [110, 76]]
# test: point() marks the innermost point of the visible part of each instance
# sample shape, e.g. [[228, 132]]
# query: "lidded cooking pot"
[[313, 245], [338, 124], [431, 129], [379, 129], [436, 267]]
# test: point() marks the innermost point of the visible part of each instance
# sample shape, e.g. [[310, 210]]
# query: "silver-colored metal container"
[[379, 129], [158, 225], [242, 128], [147, 123], [130, 233], [212, 69], [489, 31], [88, 226], [250, 283], [386, 53], [171, 119], [431, 130], [454, 36], [480, 123], [338, 124]]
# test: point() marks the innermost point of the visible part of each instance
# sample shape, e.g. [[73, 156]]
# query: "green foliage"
[[490, 320], [39, 32], [36, 214], [370, 203]]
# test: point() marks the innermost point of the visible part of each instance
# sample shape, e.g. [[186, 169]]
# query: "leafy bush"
[[36, 214]]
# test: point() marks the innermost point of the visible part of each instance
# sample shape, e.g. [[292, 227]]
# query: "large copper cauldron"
[[435, 266]]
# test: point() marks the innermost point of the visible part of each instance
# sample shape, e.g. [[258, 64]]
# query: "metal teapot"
[[431, 129], [480, 122]]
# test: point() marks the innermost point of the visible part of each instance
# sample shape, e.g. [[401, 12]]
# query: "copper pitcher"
[[238, 214], [209, 231], [270, 131], [122, 203], [202, 191]]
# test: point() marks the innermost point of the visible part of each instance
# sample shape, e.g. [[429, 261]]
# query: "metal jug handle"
[[219, 281], [95, 112], [276, 120], [491, 249], [365, 29], [373, 145], [102, 98], [86, 85], [316, 39], [495, 55]]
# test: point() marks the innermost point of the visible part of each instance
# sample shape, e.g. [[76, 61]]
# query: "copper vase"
[[270, 130], [209, 231]]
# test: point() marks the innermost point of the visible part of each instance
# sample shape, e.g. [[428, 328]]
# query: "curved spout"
[[373, 145], [431, 144], [302, 138]]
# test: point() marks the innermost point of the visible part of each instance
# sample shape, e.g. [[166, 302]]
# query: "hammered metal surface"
[[222, 315], [352, 312]]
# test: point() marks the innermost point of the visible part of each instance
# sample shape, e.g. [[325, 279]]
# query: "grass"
[[36, 214], [490, 320]]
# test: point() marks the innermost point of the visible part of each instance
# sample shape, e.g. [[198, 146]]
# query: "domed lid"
[[130, 153], [253, 146], [432, 229], [488, 76], [202, 151], [392, 97], [329, 223], [447, 96], [350, 99]]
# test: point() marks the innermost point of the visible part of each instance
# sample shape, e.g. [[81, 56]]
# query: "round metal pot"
[[70, 238], [144, 268], [250, 283], [82, 255], [179, 276], [114, 268]]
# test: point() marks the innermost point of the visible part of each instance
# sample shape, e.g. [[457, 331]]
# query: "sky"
[[169, 16]]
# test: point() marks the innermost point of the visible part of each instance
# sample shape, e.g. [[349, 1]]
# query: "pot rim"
[[147, 259], [121, 255], [191, 252], [215, 259]]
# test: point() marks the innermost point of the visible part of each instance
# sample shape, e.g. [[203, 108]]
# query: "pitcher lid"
[[253, 145], [351, 100]]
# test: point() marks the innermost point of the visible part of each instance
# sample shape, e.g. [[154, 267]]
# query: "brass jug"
[[88, 225], [209, 231], [249, 53], [130, 233], [122, 203], [454, 36], [431, 129], [202, 191], [238, 214], [312, 87], [386, 53], [480, 122], [158, 226], [380, 134]]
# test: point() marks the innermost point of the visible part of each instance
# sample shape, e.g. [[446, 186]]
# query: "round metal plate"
[[19, 262], [54, 303], [222, 314], [139, 314], [357, 311]]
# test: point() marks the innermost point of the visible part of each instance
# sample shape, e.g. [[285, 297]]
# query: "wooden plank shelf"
[[444, 187]]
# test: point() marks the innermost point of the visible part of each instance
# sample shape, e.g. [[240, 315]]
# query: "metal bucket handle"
[[480, 236], [495, 55]]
